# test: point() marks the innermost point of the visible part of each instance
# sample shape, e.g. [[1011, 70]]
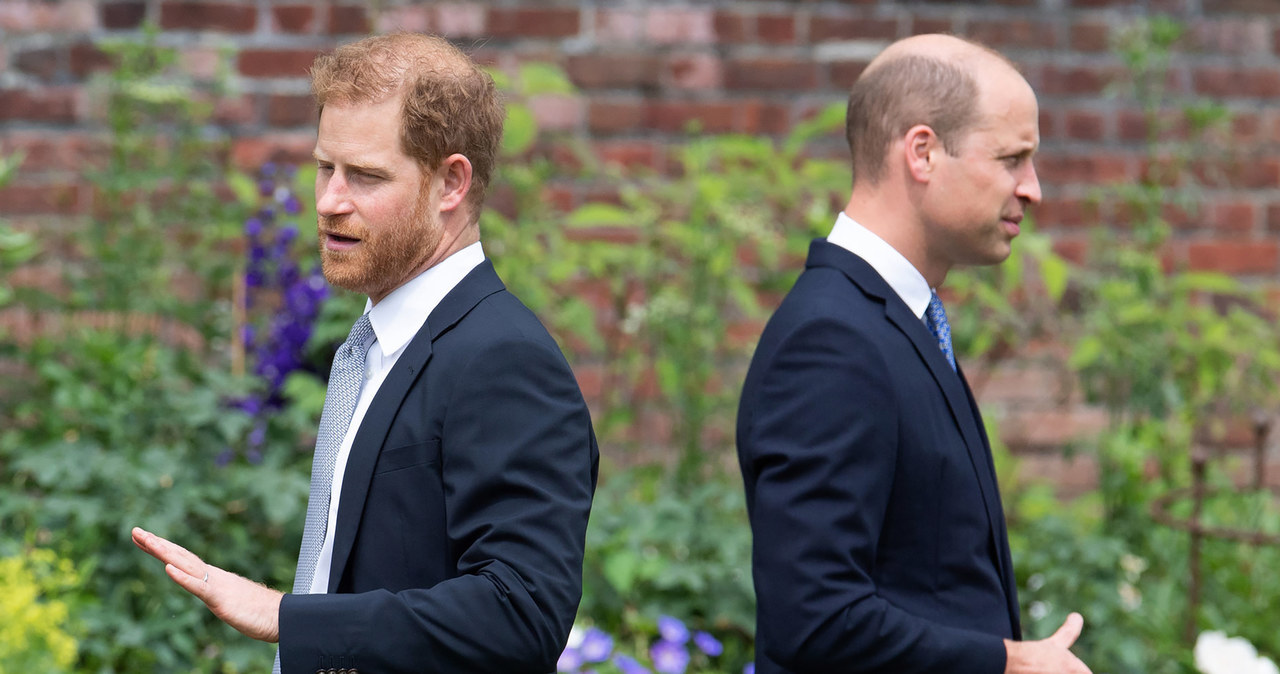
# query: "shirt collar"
[[896, 270], [400, 315]]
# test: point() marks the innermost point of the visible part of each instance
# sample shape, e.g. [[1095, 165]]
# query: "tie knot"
[[359, 335]]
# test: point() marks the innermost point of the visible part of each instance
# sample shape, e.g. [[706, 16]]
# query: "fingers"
[[183, 566], [1069, 632]]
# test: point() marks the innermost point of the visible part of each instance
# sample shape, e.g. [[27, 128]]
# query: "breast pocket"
[[408, 456]]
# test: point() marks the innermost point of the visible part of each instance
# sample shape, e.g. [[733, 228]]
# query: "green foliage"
[[656, 546], [35, 636], [160, 216], [15, 247], [118, 432]]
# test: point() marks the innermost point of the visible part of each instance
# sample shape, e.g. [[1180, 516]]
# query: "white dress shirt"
[[396, 319], [896, 270]]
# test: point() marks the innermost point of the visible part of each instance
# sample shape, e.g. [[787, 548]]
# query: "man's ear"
[[455, 181], [920, 151]]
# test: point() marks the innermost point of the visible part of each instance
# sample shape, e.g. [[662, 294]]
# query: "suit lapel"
[[474, 287], [954, 390]]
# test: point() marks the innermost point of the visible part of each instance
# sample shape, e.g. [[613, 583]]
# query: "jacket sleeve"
[[519, 467], [823, 443]]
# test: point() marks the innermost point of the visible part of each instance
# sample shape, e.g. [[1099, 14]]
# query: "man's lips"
[[336, 241]]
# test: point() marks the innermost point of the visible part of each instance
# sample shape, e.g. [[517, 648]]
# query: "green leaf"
[[520, 131], [544, 78], [1054, 273]]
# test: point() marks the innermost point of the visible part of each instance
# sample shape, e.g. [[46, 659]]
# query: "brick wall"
[[646, 69]]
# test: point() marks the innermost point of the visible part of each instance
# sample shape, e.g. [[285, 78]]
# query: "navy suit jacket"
[[879, 537], [463, 513]]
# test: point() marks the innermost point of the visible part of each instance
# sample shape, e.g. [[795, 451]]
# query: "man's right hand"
[[1047, 656]]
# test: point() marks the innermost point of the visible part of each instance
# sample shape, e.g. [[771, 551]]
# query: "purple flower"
[[292, 206], [570, 660], [268, 169], [266, 187], [628, 665], [224, 457], [669, 657], [253, 227], [671, 629], [750, 668], [596, 645], [708, 644]]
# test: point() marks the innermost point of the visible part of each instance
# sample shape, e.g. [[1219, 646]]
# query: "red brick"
[[460, 20], [615, 116], [843, 74], [294, 18], [1070, 476], [1255, 173], [771, 74], [619, 25], [1092, 169], [238, 110], [557, 112], [1048, 124], [249, 153], [730, 27], [525, 23], [187, 15], [1132, 125], [701, 72], [1075, 80], [276, 62], [678, 116], [86, 58], [1013, 33], [776, 28], [757, 117], [1075, 250], [1243, 6], [629, 153], [680, 26], [920, 26], [39, 63], [1090, 36], [48, 17], [1235, 217], [122, 15], [1084, 125], [1273, 218], [617, 70], [1234, 257], [28, 199], [1237, 37], [348, 20], [52, 151], [1066, 213], [1236, 82], [827, 28], [51, 104], [285, 110], [1246, 127]]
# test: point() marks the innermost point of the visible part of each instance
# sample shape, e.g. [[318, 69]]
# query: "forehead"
[[364, 131], [1007, 112]]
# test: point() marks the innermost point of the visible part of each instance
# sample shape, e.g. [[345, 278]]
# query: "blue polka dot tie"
[[936, 317]]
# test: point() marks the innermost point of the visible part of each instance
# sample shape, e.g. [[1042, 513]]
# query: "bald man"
[[455, 463], [879, 536]]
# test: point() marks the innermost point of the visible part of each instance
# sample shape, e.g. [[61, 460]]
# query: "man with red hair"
[[455, 463]]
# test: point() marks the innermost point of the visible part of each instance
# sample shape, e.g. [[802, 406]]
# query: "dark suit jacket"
[[879, 538], [460, 532]]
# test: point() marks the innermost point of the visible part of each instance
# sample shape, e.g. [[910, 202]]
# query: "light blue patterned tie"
[[936, 317], [345, 380]]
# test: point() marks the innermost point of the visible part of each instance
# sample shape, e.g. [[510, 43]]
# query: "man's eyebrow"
[[356, 168]]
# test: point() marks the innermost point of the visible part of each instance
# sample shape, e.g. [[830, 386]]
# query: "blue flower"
[[669, 657], [671, 629], [750, 668], [628, 665], [708, 644], [570, 660], [596, 645]]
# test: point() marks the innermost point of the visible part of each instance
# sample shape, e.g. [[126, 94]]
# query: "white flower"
[[1216, 653]]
